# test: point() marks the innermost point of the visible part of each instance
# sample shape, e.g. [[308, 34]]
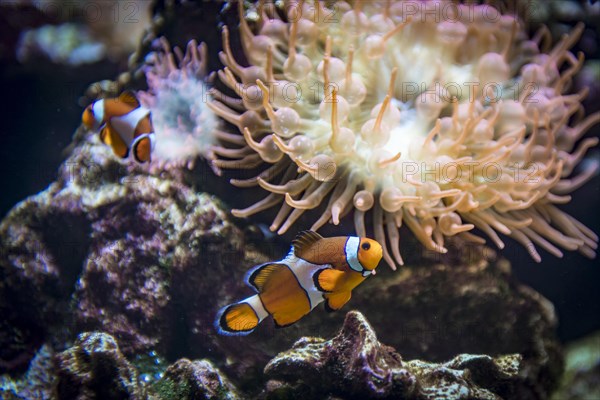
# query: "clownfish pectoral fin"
[[304, 239], [111, 138], [258, 276], [236, 319], [129, 98], [335, 301], [328, 279]]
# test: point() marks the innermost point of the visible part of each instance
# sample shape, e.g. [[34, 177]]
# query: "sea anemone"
[[177, 96], [440, 116]]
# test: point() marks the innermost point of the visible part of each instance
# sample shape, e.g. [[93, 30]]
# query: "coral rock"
[[95, 368], [36, 383], [355, 365], [43, 242], [187, 379], [109, 247], [472, 306]]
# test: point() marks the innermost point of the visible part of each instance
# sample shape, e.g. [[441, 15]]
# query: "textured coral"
[[108, 247], [95, 368], [355, 365], [466, 304], [187, 379], [462, 302], [442, 124], [36, 383]]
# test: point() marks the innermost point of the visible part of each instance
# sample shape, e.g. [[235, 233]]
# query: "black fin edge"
[[278, 326], [134, 152], [316, 281], [131, 94], [303, 237], [223, 325], [255, 270], [328, 307]]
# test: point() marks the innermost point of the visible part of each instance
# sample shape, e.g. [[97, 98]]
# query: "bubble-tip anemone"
[[177, 96], [439, 116]]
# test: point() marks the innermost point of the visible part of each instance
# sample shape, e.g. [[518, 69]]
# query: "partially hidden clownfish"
[[316, 269], [124, 125]]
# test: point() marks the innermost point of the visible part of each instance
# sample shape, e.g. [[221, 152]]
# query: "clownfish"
[[316, 269], [124, 125]]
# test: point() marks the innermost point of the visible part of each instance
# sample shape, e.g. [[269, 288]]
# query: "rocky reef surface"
[[147, 257], [354, 364]]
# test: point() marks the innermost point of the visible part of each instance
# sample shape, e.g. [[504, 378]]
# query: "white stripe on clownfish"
[[125, 124], [351, 250], [98, 110], [257, 306], [304, 272], [150, 136]]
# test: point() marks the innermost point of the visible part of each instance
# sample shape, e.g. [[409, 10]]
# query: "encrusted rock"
[[355, 365], [198, 380], [110, 247], [468, 303], [36, 383], [95, 368], [43, 242]]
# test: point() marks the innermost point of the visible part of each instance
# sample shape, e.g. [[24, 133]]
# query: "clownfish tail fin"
[[240, 318]]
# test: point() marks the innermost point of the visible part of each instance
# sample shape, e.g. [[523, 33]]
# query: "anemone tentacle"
[[442, 124], [177, 96]]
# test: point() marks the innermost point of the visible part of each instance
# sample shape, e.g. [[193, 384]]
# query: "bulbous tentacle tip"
[[237, 213], [363, 144]]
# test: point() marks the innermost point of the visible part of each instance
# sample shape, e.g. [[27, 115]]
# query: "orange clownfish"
[[124, 125], [316, 269]]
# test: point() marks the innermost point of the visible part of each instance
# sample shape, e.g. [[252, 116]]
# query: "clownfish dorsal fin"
[[303, 240], [258, 277], [129, 98]]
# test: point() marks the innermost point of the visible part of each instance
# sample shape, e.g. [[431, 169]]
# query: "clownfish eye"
[[366, 246]]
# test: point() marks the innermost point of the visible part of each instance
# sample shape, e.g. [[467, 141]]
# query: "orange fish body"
[[317, 269], [124, 125]]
